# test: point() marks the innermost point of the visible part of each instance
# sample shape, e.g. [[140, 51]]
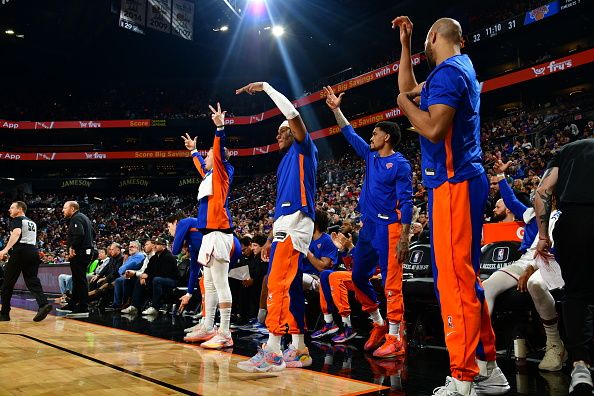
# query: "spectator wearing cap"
[[160, 276]]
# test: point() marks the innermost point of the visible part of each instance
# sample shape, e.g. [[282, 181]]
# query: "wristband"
[[193, 151], [220, 128], [501, 175], [188, 295]]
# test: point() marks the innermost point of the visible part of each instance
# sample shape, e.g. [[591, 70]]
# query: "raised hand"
[[251, 88], [332, 100], [189, 142], [501, 167], [406, 28], [218, 116]]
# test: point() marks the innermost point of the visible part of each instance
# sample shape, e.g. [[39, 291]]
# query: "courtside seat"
[[417, 283], [497, 255]]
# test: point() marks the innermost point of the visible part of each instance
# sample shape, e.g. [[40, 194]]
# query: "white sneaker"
[[581, 380], [454, 387], [150, 311], [553, 358], [191, 329], [131, 310], [494, 384]]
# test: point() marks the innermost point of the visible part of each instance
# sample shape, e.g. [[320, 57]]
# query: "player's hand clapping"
[[501, 167]]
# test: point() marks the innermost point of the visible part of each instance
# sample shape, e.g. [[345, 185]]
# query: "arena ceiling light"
[[223, 28], [278, 31], [9, 32]]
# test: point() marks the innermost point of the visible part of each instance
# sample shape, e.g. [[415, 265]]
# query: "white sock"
[[463, 387], [225, 319], [376, 316], [552, 333], [346, 320], [486, 368], [211, 300], [394, 329], [274, 343], [298, 341], [262, 315], [328, 318]]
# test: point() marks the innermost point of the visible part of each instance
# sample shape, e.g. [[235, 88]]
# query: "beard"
[[430, 57]]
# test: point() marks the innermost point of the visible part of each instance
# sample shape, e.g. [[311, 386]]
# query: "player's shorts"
[[298, 226]]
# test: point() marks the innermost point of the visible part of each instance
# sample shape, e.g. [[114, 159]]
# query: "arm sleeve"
[[404, 192], [180, 235], [510, 200], [218, 151], [15, 223], [133, 263], [199, 163], [359, 145], [447, 87], [330, 251]]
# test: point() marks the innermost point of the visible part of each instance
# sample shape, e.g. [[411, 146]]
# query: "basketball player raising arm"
[[448, 123], [293, 229]]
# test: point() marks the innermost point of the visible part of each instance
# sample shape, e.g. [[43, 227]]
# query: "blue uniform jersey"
[[458, 156], [187, 231], [386, 196], [321, 247], [296, 179]]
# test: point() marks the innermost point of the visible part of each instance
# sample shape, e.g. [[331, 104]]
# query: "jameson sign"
[[134, 182], [84, 183]]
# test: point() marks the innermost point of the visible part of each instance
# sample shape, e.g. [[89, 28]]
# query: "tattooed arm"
[[543, 203]]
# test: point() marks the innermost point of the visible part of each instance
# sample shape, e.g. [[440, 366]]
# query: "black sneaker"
[[79, 313], [42, 313], [66, 308], [4, 317]]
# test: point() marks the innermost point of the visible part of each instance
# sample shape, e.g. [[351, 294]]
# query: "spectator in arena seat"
[[103, 282], [124, 285], [160, 276], [526, 276], [65, 280]]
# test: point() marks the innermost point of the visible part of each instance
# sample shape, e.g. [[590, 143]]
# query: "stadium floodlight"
[[9, 31], [278, 30], [224, 28]]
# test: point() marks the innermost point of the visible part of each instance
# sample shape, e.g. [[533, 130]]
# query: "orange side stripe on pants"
[[203, 293], [393, 284], [341, 282], [456, 278], [283, 269]]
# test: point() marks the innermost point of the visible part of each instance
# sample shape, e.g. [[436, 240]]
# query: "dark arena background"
[[95, 97]]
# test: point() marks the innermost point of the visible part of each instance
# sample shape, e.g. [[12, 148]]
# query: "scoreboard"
[[518, 21]]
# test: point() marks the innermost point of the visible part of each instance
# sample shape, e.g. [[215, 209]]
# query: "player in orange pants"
[[445, 112]]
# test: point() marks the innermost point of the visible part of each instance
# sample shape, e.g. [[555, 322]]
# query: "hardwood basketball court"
[[66, 356]]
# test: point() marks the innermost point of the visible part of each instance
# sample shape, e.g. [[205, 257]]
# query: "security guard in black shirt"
[[570, 180]]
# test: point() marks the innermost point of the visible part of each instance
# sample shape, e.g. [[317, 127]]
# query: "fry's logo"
[[539, 72]]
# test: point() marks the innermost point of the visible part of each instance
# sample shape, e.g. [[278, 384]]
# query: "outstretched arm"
[[218, 146], [406, 77], [283, 104], [196, 157], [334, 102]]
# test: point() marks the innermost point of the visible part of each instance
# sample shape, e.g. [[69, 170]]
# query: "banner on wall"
[[498, 232], [133, 15], [158, 15], [182, 21]]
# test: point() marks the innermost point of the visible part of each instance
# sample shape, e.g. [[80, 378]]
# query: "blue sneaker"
[[347, 334], [328, 329], [260, 328], [294, 357], [263, 361]]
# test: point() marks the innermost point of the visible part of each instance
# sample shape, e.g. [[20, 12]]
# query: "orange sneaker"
[[376, 338], [393, 347]]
